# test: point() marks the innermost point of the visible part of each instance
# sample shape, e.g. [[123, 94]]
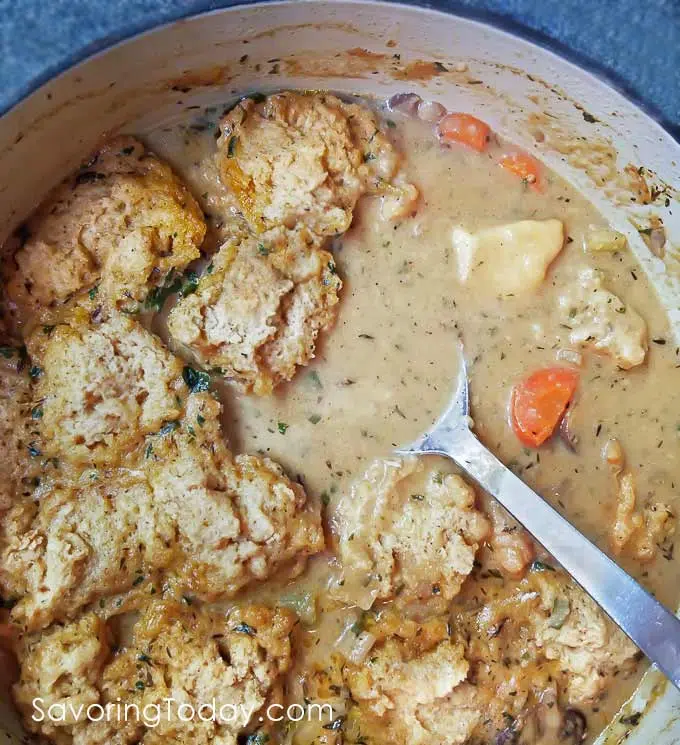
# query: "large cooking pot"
[[587, 131]]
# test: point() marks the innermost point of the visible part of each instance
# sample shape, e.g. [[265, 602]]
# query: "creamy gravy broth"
[[385, 372]]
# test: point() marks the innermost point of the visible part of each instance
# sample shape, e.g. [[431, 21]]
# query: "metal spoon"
[[653, 628]]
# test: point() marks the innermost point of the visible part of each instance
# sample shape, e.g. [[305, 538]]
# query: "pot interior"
[[600, 142]]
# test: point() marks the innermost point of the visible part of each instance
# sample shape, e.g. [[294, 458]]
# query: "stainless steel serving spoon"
[[653, 628]]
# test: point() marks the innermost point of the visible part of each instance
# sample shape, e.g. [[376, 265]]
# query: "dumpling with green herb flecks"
[[118, 226], [259, 308]]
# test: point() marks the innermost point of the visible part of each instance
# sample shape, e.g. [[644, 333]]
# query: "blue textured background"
[[636, 42]]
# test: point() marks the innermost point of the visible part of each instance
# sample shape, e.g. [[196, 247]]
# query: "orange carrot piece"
[[538, 403], [525, 166], [466, 130]]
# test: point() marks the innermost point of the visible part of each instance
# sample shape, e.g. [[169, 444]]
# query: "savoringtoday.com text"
[[169, 709]]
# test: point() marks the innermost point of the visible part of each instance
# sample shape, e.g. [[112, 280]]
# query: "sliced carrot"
[[538, 403], [525, 166], [465, 129]]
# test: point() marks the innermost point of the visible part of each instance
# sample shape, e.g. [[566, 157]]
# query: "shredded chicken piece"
[[641, 533], [614, 455], [600, 320], [510, 548]]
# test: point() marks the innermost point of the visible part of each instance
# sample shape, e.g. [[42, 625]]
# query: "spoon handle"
[[654, 629]]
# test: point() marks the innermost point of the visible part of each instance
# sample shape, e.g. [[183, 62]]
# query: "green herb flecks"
[[244, 628], [185, 285], [540, 566], [189, 284], [196, 380], [315, 380], [168, 427], [155, 300], [335, 725], [257, 738]]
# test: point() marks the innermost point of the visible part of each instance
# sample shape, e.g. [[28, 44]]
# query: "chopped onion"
[[599, 241], [303, 604], [312, 728], [364, 595], [560, 612], [404, 103], [354, 644], [364, 644], [657, 241], [347, 639], [573, 356], [430, 111], [568, 436]]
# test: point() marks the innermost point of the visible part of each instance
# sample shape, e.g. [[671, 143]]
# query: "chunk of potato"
[[509, 259]]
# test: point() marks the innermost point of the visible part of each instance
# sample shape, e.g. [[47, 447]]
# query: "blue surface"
[[638, 43]]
